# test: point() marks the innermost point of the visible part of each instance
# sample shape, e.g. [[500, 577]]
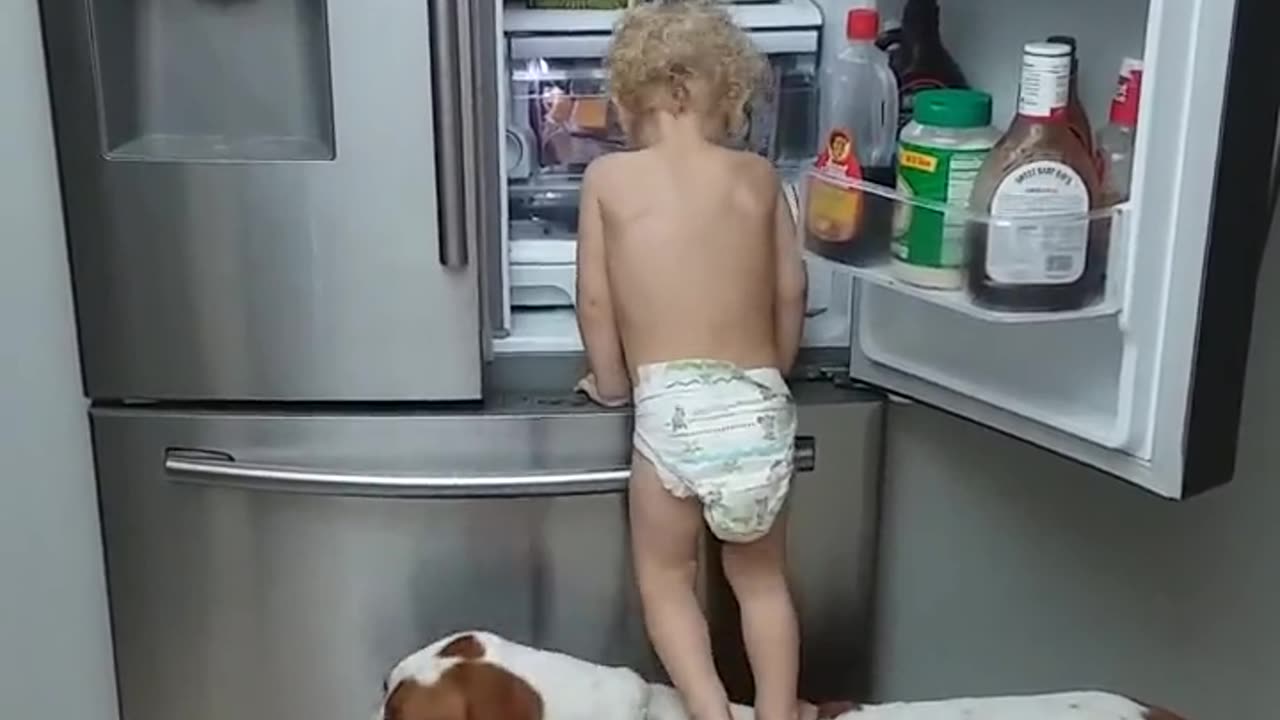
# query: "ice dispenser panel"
[[221, 239], [213, 80]]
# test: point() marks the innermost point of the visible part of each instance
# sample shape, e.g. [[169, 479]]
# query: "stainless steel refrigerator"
[[323, 263]]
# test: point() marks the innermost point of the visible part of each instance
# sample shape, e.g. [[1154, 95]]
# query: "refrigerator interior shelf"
[[518, 18], [544, 285], [543, 318], [544, 251], [543, 221], [561, 193], [888, 212]]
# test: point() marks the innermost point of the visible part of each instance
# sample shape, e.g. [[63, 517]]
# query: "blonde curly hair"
[[684, 56]]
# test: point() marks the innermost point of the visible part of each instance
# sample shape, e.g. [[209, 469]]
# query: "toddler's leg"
[[664, 541], [757, 573]]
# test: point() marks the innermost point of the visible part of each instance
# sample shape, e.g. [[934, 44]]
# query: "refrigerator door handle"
[[219, 469], [450, 66], [806, 454]]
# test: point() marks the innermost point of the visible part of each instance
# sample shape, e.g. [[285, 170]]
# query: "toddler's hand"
[[587, 386]]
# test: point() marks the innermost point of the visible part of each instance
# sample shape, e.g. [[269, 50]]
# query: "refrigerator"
[[322, 253]]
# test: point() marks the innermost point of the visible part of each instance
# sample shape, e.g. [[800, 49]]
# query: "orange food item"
[[591, 114]]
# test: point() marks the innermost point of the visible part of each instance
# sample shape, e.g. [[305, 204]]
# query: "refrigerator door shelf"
[[897, 211], [1146, 386]]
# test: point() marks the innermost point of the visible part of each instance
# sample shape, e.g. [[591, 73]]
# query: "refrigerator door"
[[1150, 392], [276, 200], [274, 567]]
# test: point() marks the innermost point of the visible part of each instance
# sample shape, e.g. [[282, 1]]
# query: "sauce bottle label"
[[835, 208], [1045, 90], [1039, 226], [927, 237]]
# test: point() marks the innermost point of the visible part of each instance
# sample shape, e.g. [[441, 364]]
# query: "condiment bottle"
[[1079, 117], [1116, 140], [858, 117], [1038, 250], [918, 56], [939, 156]]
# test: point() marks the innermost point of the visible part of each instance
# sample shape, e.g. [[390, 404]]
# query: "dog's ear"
[[465, 647], [438, 701], [493, 693]]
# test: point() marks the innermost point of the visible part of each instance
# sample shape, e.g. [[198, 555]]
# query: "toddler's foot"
[[830, 710], [803, 711], [711, 713]]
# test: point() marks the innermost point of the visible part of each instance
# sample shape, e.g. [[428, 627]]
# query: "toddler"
[[691, 295]]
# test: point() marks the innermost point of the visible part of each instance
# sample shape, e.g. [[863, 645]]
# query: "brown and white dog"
[[480, 676]]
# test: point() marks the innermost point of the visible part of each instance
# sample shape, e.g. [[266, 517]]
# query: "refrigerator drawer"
[[285, 584], [275, 566]]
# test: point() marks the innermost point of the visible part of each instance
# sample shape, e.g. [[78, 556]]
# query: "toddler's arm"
[[596, 321], [791, 285]]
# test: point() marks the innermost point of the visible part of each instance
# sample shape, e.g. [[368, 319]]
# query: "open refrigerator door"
[[1144, 380]]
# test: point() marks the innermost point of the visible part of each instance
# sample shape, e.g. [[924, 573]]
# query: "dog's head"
[[455, 680]]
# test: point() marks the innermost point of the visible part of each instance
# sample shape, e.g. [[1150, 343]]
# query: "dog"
[[478, 675]]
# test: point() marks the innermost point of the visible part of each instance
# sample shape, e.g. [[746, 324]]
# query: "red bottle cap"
[[1124, 108], [863, 24]]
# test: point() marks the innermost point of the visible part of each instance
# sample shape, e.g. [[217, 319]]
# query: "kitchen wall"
[[1006, 569], [55, 656]]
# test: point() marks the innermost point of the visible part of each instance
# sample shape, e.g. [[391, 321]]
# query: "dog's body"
[[481, 676]]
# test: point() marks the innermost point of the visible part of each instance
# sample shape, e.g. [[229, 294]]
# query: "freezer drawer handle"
[[204, 467], [221, 469], [806, 457]]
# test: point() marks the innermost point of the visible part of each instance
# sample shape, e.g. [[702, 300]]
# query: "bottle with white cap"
[[1039, 169]]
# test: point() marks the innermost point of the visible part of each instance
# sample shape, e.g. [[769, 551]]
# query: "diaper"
[[722, 434]]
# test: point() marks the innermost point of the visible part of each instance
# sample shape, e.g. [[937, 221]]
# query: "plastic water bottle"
[[858, 118]]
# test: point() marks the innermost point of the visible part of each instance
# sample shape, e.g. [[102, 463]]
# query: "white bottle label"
[[1022, 248], [1046, 85]]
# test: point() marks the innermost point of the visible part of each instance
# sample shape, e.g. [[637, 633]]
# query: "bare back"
[[691, 255]]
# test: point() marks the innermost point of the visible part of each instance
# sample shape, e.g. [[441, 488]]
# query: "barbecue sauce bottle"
[[918, 57], [1038, 250], [1077, 116]]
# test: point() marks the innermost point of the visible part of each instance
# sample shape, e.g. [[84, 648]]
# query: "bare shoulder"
[[757, 177], [754, 167], [605, 171]]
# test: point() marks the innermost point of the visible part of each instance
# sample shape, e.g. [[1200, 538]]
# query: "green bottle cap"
[[953, 108]]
